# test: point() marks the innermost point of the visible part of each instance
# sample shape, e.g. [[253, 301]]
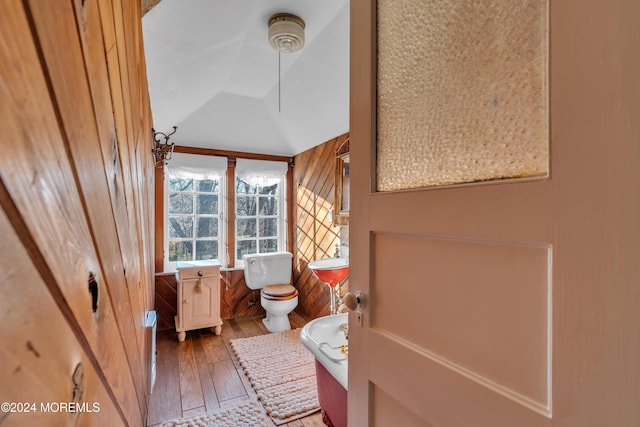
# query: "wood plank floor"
[[202, 374]]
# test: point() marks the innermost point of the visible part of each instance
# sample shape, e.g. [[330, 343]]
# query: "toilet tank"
[[272, 268]]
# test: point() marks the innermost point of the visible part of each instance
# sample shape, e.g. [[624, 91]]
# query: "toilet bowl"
[[278, 303], [271, 273]]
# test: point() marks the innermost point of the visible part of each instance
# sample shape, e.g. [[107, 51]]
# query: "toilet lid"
[[279, 291]]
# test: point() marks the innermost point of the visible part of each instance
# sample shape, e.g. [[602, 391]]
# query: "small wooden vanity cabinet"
[[198, 297]]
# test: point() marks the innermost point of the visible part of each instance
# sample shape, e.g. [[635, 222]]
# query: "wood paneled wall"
[[235, 298], [315, 236], [75, 191]]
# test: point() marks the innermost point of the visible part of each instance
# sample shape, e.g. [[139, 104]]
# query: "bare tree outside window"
[[257, 218], [194, 217]]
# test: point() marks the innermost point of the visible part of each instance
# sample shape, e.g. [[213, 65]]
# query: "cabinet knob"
[[200, 274], [185, 301]]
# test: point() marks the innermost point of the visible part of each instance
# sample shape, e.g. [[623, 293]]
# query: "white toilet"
[[271, 273]]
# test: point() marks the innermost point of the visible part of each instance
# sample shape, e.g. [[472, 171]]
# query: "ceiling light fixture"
[[286, 32]]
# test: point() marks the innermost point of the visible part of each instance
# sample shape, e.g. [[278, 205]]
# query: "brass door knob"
[[354, 301]]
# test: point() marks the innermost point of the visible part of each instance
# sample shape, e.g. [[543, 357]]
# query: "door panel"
[[478, 307], [515, 302], [438, 393]]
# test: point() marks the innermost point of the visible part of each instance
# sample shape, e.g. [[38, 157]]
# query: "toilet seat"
[[279, 292]]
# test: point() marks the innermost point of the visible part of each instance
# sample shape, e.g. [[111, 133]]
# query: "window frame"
[[222, 219], [202, 163], [282, 218]]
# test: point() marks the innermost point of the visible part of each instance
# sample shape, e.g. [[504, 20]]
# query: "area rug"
[[282, 372], [246, 414]]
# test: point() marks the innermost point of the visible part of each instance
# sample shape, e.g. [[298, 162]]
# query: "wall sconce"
[[162, 150]]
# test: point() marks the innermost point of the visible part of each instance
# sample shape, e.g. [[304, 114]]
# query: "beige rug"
[[282, 372], [246, 414]]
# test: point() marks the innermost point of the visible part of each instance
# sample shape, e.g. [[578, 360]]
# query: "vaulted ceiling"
[[213, 73]]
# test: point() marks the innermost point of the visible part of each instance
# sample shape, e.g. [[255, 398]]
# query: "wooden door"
[[509, 303]]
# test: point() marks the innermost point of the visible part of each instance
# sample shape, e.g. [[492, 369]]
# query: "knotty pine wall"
[[314, 235], [75, 184]]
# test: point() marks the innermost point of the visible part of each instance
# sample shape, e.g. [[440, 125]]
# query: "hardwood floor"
[[202, 374]]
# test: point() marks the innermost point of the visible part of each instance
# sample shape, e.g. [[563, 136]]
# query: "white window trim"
[[272, 170], [198, 164]]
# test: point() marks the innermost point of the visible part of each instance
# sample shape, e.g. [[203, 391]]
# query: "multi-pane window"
[[193, 219], [197, 222], [260, 208], [195, 195], [257, 218]]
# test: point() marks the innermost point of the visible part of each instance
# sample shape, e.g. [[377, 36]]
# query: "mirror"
[[341, 196]]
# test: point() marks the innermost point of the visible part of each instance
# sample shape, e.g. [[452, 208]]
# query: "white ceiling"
[[213, 73]]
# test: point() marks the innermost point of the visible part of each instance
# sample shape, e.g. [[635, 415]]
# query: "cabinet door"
[[200, 303]]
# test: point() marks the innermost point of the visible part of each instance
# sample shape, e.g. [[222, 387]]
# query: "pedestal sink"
[[332, 271]]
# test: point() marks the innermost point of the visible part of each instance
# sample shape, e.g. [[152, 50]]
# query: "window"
[[195, 200], [196, 216], [260, 207]]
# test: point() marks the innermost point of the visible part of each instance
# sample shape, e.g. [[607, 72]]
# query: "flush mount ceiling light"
[[286, 32]]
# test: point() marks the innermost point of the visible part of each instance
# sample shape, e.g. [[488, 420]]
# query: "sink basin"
[[323, 338], [330, 270], [200, 263]]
